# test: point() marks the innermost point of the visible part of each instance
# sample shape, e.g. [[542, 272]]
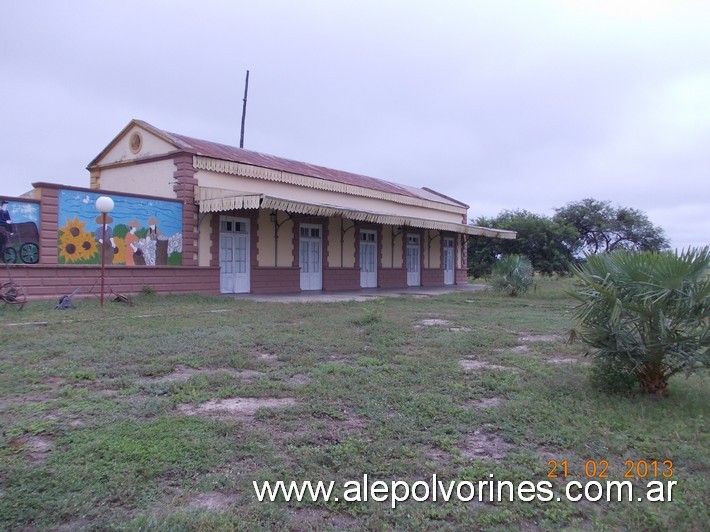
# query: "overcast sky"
[[502, 104]]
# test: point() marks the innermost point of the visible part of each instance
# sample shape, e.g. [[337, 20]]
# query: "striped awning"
[[220, 200]]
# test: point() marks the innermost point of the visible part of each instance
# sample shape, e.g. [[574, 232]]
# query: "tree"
[[483, 252], [546, 243], [646, 314], [603, 228]]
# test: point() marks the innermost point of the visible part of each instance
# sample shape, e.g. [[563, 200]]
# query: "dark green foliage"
[[175, 259], [547, 244], [148, 291], [120, 230], [612, 377], [603, 228], [553, 244], [647, 314], [513, 275]]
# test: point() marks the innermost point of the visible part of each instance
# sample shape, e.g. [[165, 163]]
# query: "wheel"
[[8, 293], [20, 296], [29, 253], [9, 255], [13, 294]]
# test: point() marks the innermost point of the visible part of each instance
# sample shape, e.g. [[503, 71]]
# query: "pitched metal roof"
[[239, 155]]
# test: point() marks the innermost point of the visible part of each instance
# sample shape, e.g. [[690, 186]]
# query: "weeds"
[[95, 435]]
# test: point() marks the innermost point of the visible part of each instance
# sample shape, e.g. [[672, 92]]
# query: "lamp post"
[[104, 205]]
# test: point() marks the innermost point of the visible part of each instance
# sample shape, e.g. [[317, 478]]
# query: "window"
[[232, 226], [135, 142], [310, 232]]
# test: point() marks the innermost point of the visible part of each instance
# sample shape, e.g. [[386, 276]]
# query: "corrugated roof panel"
[[239, 155]]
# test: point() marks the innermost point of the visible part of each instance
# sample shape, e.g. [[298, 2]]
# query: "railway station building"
[[198, 216]]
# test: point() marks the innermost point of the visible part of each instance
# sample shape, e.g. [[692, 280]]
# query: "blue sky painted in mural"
[[73, 203], [23, 212]]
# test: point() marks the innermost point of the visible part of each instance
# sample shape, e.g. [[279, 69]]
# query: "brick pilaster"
[[214, 240], [184, 188], [461, 268], [49, 225]]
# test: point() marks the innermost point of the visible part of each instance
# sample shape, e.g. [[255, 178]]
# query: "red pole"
[[103, 254]]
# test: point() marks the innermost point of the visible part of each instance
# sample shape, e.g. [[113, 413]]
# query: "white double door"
[[368, 259], [234, 257], [310, 257], [449, 261], [413, 260]]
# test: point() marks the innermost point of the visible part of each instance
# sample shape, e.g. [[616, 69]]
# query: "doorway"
[[449, 256], [310, 259], [413, 260], [368, 259], [234, 255]]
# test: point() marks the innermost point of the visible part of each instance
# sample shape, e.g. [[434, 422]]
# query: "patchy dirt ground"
[[486, 402], [516, 349], [541, 338], [484, 445], [35, 447], [561, 360], [431, 322], [470, 365], [439, 322], [441, 458], [317, 519], [299, 380], [235, 406], [478, 445], [183, 373], [212, 500], [271, 358]]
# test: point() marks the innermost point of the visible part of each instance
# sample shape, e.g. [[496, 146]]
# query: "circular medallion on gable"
[[135, 142]]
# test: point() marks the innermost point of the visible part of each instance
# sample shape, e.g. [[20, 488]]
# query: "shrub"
[[646, 314], [513, 274], [608, 376], [372, 314]]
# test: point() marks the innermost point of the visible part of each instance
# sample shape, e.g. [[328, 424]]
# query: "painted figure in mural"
[[152, 229], [161, 242], [112, 249], [5, 226], [131, 242], [5, 221]]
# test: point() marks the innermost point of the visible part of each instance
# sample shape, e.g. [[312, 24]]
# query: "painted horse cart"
[[22, 243]]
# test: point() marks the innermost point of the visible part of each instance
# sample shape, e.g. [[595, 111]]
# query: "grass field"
[[160, 416]]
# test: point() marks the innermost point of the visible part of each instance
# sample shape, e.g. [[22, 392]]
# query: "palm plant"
[[646, 313], [513, 274]]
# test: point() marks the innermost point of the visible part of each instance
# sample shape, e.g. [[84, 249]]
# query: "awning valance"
[[219, 200]]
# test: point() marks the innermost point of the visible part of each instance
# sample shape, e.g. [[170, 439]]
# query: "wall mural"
[[139, 231], [19, 231]]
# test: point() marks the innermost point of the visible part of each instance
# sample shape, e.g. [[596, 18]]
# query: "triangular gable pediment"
[[138, 140]]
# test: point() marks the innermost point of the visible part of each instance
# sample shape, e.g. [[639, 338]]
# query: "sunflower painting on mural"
[[76, 245], [132, 237]]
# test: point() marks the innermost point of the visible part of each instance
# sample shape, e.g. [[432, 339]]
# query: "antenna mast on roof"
[[244, 110]]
